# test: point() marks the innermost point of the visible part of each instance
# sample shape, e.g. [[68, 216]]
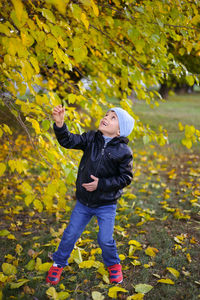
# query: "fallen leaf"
[[20, 282], [97, 296], [174, 272], [167, 281], [9, 269], [112, 293], [151, 251], [135, 297], [143, 288]]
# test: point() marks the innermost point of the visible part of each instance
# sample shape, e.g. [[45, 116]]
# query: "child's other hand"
[[58, 115], [92, 186]]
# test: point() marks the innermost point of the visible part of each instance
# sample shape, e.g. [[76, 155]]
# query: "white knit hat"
[[126, 122]]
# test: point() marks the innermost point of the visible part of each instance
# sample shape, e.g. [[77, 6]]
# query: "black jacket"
[[112, 164]]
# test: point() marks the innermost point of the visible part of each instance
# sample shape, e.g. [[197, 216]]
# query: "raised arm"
[[64, 137]]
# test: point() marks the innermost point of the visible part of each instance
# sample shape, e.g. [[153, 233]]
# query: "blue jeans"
[[80, 217]]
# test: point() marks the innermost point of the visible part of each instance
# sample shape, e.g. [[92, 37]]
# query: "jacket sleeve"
[[68, 139], [123, 179]]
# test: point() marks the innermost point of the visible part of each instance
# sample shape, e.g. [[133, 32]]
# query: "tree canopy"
[[81, 53]]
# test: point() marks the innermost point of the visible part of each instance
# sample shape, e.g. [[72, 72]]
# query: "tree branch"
[[8, 104], [119, 45]]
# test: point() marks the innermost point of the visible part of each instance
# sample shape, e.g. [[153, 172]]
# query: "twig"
[[8, 104], [119, 45]]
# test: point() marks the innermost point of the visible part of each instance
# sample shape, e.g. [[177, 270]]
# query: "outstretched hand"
[[91, 186], [58, 115]]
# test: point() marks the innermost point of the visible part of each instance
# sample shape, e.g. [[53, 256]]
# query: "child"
[[105, 169]]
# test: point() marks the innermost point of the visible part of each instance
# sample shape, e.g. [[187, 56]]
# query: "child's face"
[[109, 125]]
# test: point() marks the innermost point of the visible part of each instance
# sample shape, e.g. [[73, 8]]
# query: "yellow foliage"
[[9, 269]]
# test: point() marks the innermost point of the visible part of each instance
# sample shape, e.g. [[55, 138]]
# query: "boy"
[[105, 169]]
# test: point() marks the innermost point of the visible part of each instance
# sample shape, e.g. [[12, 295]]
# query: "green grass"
[[184, 109]]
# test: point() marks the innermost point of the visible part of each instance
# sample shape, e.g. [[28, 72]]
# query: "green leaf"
[[20, 282], [190, 80], [48, 15], [97, 296], [46, 124], [9, 269], [143, 288], [30, 266], [4, 232]]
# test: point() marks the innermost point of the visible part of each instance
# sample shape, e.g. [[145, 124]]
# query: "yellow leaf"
[[136, 297], [77, 256], [38, 263], [136, 262], [1, 295], [63, 295], [18, 249], [84, 20], [167, 281], [20, 282], [52, 293], [2, 168], [3, 278], [189, 257], [11, 237], [112, 293], [18, 8], [122, 257], [181, 127], [35, 64], [174, 272], [27, 40], [29, 199], [35, 124], [95, 8], [9, 269], [187, 143], [86, 264], [44, 267], [136, 243], [38, 205], [151, 251], [97, 296]]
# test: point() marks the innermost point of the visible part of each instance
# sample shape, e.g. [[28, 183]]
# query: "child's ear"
[[118, 133]]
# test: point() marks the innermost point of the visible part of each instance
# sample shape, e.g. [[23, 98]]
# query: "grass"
[[184, 109], [160, 209]]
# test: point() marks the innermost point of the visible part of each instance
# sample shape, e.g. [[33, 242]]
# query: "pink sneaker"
[[115, 273]]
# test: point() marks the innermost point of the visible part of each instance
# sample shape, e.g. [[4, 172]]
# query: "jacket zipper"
[[102, 153]]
